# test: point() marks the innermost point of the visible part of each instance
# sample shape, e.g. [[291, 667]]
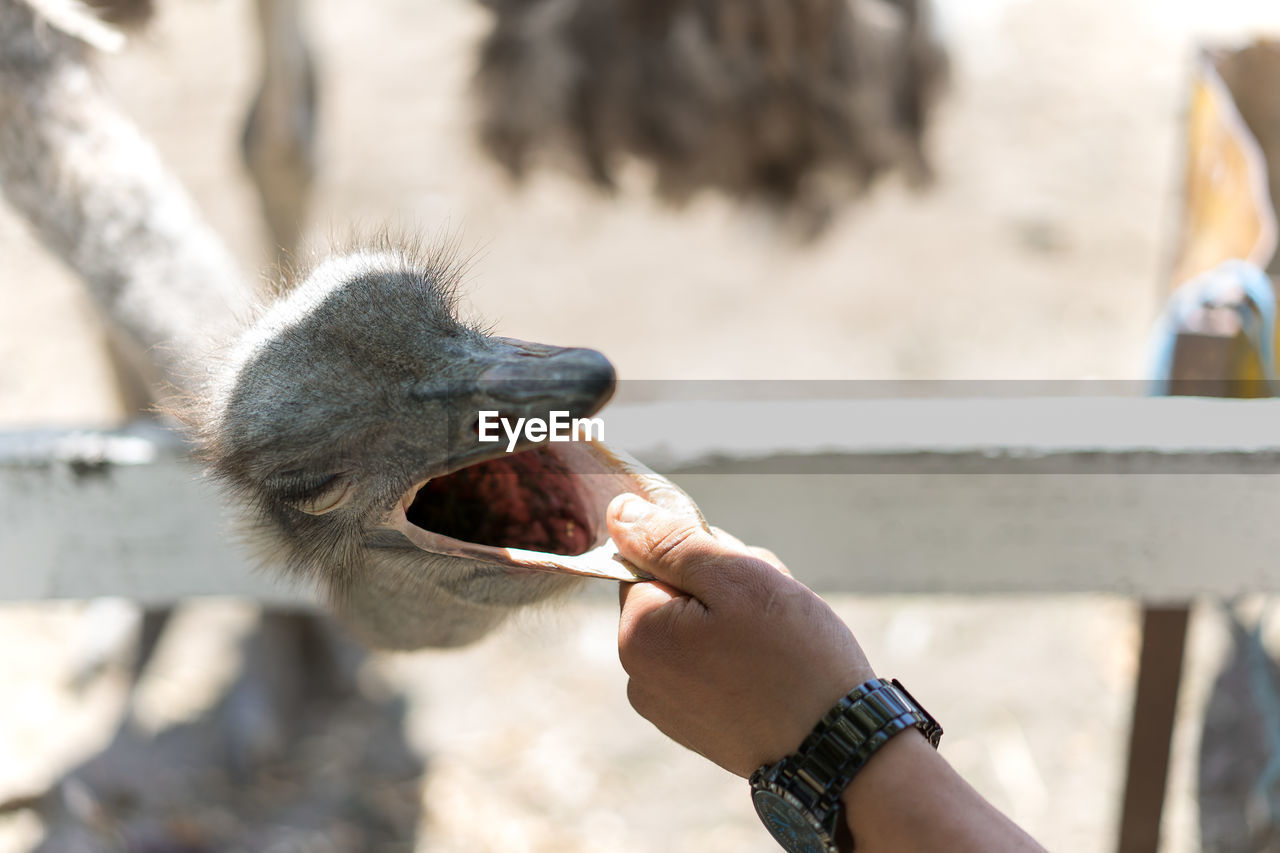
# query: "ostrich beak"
[[531, 505], [580, 381]]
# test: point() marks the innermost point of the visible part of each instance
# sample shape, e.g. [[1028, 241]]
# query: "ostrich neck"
[[95, 192]]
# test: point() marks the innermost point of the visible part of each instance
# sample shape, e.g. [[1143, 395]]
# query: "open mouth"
[[526, 500], [541, 510]]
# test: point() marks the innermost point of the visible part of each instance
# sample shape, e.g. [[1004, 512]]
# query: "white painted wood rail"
[[1162, 498]]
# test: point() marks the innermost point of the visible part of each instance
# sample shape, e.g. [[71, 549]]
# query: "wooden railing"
[[1162, 499]]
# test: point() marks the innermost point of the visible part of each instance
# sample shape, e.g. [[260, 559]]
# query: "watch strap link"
[[844, 740]]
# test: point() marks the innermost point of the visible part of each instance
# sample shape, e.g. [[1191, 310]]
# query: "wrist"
[[890, 785], [800, 798]]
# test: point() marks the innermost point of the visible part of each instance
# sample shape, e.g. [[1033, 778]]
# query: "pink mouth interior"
[[526, 500]]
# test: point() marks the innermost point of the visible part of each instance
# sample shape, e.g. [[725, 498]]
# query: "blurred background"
[[1041, 252]]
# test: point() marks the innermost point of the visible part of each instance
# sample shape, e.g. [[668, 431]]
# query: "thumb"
[[672, 548]]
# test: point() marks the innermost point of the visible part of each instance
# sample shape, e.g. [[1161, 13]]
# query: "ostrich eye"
[[325, 496]]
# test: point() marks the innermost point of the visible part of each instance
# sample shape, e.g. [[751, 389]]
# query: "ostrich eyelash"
[[334, 495], [329, 500], [316, 497]]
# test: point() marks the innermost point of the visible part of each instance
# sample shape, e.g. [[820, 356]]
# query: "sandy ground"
[[1040, 255]]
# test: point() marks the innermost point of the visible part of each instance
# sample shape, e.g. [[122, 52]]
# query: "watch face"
[[789, 826]]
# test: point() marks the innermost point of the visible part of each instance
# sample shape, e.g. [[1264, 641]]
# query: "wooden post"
[[1164, 632], [1209, 361]]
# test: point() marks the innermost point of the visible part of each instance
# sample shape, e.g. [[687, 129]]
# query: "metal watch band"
[[849, 734], [814, 776]]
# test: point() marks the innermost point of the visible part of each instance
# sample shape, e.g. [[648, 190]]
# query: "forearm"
[[908, 798], [730, 656]]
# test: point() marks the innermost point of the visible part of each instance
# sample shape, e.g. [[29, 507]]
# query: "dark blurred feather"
[[797, 104]]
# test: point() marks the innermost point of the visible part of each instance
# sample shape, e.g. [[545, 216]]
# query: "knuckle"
[[629, 645], [638, 698], [629, 655], [639, 643]]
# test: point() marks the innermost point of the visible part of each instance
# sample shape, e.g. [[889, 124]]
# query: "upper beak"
[[530, 380], [517, 380]]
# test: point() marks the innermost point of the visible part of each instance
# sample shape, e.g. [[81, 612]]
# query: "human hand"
[[727, 653]]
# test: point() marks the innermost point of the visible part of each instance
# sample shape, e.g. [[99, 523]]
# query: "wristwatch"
[[798, 798]]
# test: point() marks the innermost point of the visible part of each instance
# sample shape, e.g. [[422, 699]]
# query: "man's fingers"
[[769, 557], [669, 547], [759, 553], [643, 597], [654, 618], [728, 538]]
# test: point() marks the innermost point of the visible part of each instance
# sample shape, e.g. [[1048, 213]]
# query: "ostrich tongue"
[[541, 510]]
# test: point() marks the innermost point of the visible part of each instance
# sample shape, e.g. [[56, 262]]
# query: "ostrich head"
[[346, 423]]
